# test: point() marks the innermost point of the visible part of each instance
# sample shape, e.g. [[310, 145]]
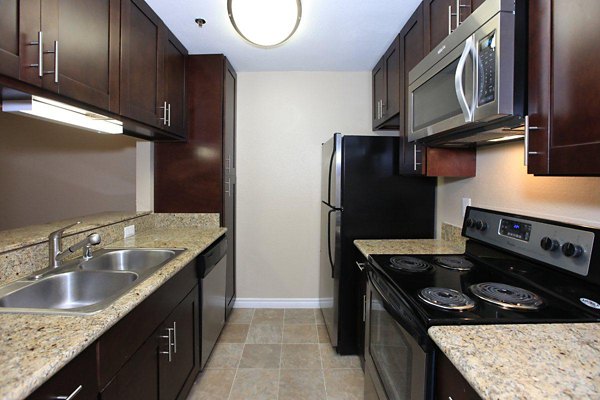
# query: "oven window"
[[436, 101], [390, 350]]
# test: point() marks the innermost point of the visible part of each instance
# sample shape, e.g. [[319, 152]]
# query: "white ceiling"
[[334, 35]]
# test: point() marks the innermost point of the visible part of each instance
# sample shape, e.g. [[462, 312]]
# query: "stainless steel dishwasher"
[[213, 268]]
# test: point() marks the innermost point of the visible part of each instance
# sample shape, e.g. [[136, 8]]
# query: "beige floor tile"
[[300, 334], [268, 316], [255, 384], [234, 333], [319, 317], [333, 360], [344, 384], [301, 356], [265, 333], [213, 384], [301, 384], [299, 316], [323, 335], [241, 316], [225, 356], [261, 356]]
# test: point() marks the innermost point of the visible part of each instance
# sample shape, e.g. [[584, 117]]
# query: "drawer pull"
[[72, 395]]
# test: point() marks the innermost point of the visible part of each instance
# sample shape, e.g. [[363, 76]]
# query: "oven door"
[[398, 352]]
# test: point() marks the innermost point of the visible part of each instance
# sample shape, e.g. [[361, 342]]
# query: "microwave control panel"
[[487, 69]]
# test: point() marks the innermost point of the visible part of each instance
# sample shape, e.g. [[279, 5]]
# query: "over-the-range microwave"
[[471, 89]]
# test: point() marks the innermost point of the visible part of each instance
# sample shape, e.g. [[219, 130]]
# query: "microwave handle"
[[458, 81]]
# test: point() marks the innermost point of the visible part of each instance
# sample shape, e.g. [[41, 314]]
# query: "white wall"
[[50, 172], [502, 183], [282, 119]]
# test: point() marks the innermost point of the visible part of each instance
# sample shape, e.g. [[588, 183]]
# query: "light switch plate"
[[466, 201], [129, 231]]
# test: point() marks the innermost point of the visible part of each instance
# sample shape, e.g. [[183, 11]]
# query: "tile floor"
[[277, 354]]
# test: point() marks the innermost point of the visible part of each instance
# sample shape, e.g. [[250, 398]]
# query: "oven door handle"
[[466, 108], [406, 318]]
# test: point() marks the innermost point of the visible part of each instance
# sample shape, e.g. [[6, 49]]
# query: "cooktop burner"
[[459, 263], [447, 299], [409, 264], [507, 296]]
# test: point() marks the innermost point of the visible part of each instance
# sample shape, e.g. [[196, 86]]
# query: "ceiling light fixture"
[[265, 23], [54, 111]]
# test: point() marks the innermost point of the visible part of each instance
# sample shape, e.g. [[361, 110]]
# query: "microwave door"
[[434, 104]]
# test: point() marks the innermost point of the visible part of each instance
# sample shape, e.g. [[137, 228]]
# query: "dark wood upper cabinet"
[[415, 159], [174, 81], [386, 89], [440, 18], [563, 87], [9, 38], [142, 64], [79, 47]]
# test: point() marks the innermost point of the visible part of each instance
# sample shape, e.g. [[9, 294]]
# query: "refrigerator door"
[[329, 275], [331, 171]]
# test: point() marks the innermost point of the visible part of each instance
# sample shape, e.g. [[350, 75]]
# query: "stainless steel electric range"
[[516, 269]]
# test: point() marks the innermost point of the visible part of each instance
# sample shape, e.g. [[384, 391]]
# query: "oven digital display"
[[515, 229]]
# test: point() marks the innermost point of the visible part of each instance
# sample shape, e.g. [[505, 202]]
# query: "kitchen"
[[278, 150]]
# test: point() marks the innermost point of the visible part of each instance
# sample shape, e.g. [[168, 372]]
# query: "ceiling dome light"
[[265, 23]]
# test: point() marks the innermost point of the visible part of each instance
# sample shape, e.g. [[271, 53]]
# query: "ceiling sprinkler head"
[[200, 22]]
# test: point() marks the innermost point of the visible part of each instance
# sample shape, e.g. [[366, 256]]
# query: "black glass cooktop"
[[541, 295]]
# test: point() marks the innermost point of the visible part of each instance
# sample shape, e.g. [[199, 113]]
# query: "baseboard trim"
[[276, 303]]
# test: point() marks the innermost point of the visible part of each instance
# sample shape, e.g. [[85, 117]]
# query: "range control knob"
[[481, 225], [572, 250], [549, 244], [469, 223]]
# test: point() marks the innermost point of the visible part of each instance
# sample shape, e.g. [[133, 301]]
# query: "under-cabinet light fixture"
[[265, 23], [506, 138], [54, 111]]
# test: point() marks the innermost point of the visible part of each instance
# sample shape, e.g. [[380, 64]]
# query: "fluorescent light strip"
[[61, 113], [506, 138]]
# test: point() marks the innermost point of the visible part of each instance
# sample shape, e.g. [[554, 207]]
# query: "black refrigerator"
[[363, 197]]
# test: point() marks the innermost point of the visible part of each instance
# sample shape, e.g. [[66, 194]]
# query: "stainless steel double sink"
[[84, 287]]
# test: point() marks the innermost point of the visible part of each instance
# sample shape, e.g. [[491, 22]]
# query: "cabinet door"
[[142, 46], [183, 326], [174, 75], [412, 51], [229, 165], [438, 21], [81, 41], [378, 85], [391, 60], [9, 38], [79, 376], [29, 49], [137, 380], [563, 85], [450, 384]]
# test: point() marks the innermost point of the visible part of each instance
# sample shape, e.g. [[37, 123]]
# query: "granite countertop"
[[408, 246], [33, 347], [536, 361]]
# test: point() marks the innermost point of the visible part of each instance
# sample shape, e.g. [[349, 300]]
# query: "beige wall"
[[50, 172], [283, 117], [503, 183]]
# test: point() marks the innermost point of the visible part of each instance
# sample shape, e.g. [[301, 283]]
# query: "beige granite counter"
[[33, 347], [538, 361]]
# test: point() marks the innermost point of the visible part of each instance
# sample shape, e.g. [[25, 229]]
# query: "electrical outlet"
[[466, 201], [129, 231]]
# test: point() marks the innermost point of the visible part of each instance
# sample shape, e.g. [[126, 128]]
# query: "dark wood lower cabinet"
[[449, 383]]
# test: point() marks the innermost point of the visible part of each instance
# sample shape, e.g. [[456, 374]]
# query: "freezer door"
[[329, 274], [331, 170]]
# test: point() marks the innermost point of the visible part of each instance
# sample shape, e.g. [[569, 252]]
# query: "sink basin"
[[84, 287], [69, 290], [135, 260]]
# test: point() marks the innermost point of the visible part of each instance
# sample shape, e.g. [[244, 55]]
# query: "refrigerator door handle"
[[329, 239], [329, 174]]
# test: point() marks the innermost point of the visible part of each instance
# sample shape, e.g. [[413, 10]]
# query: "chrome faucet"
[[56, 254]]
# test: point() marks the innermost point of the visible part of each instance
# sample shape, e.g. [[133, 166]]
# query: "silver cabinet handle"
[[415, 163], [164, 117], [174, 337], [228, 190], [170, 338], [228, 165], [361, 266], [458, 7], [169, 115], [72, 395], [528, 128], [450, 14], [383, 109], [55, 70], [40, 44]]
